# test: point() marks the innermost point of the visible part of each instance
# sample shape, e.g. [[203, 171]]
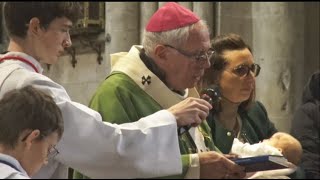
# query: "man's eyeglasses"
[[52, 152], [200, 57], [244, 70]]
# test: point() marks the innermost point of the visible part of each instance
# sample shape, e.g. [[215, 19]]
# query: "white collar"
[[29, 58], [14, 162]]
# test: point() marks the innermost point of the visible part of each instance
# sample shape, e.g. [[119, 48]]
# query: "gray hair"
[[176, 37]]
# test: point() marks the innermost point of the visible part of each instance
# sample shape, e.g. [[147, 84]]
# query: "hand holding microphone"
[[213, 96]]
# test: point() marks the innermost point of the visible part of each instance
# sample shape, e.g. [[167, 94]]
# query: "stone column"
[[188, 5], [235, 17], [205, 10], [122, 26], [147, 9], [160, 4], [312, 39], [278, 43], [4, 40]]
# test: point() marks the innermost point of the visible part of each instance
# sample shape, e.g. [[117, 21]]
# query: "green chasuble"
[[132, 91]]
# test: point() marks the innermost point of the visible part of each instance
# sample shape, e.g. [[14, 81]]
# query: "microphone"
[[213, 96]]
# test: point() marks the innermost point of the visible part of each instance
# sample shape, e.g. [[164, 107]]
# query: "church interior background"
[[284, 37]]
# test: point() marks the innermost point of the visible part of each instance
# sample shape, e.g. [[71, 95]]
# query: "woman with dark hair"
[[238, 114]]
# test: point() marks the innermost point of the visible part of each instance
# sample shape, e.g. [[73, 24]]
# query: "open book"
[[262, 163]]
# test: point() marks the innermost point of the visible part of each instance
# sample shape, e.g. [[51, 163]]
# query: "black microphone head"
[[212, 94]]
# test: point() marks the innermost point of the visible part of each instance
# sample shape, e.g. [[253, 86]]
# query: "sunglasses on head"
[[244, 70]]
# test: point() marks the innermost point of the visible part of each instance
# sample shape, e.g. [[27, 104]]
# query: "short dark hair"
[[18, 14], [220, 44], [28, 108]]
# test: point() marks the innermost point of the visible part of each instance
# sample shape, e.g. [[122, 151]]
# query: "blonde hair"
[[290, 147], [212, 75]]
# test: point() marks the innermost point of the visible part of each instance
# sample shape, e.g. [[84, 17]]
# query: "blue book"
[[262, 163]]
